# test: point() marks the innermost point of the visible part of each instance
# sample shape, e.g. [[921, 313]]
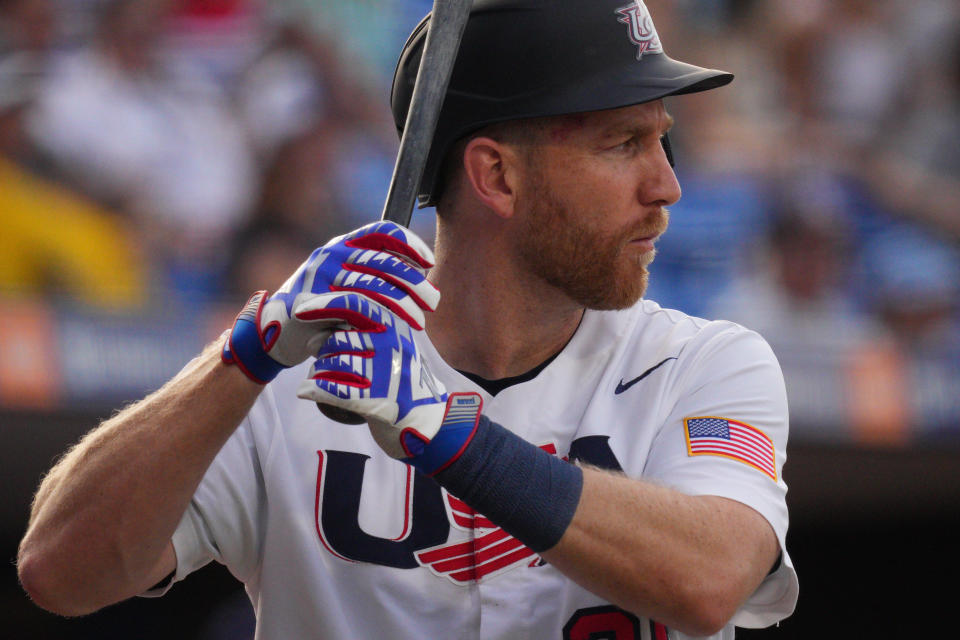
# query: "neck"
[[494, 319]]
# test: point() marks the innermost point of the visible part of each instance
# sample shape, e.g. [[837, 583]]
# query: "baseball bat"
[[448, 19]]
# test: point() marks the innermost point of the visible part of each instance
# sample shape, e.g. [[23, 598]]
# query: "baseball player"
[[546, 454]]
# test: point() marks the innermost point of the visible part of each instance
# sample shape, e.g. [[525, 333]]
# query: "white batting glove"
[[381, 261], [378, 372]]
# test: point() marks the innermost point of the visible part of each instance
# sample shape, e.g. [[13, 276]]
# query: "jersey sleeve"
[[726, 435], [226, 518]]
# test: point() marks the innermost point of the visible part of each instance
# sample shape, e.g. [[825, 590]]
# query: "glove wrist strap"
[[244, 346], [456, 431]]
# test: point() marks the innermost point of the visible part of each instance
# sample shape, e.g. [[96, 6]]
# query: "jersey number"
[[608, 622]]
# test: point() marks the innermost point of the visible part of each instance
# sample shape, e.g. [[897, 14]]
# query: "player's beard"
[[597, 269]]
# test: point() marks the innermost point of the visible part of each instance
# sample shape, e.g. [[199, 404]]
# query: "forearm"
[[686, 561], [105, 513]]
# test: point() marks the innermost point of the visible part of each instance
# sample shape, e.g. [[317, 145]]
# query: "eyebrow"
[[637, 129]]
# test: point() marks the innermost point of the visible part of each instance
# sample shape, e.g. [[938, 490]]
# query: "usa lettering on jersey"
[[423, 540], [429, 513]]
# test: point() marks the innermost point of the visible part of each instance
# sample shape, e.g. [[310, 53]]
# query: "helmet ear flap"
[[667, 149]]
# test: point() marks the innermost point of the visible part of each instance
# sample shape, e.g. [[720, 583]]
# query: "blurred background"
[[161, 159]]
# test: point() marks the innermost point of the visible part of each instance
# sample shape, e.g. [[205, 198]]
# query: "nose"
[[660, 186]]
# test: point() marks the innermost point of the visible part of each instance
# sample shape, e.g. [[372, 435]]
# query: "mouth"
[[645, 236], [645, 244]]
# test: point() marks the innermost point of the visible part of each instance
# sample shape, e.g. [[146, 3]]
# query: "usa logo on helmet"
[[640, 28]]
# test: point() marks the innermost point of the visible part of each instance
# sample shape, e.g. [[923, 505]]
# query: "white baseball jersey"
[[334, 539]]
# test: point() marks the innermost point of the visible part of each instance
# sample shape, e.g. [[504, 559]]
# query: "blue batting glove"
[[381, 261], [377, 371]]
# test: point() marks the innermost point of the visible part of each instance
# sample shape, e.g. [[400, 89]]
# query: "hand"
[[381, 261], [377, 371]]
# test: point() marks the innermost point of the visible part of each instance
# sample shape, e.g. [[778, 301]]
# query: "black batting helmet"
[[529, 58]]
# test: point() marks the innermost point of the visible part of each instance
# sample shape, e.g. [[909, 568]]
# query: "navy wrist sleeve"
[[531, 494]]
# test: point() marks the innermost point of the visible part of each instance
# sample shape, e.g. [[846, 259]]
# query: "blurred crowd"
[[181, 148], [156, 153], [821, 202]]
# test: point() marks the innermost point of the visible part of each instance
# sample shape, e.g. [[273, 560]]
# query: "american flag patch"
[[730, 439]]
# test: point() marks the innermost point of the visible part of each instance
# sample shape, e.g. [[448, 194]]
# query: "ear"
[[491, 169]]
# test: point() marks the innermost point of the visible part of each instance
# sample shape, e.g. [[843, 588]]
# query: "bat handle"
[[340, 415]]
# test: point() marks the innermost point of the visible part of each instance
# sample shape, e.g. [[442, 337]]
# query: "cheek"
[[600, 198]]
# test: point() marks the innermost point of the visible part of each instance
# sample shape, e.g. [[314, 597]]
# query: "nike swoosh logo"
[[623, 386]]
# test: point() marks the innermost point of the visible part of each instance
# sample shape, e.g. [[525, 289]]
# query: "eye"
[[631, 144]]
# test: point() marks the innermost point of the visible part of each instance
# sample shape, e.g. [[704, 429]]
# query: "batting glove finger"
[[390, 281], [392, 238]]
